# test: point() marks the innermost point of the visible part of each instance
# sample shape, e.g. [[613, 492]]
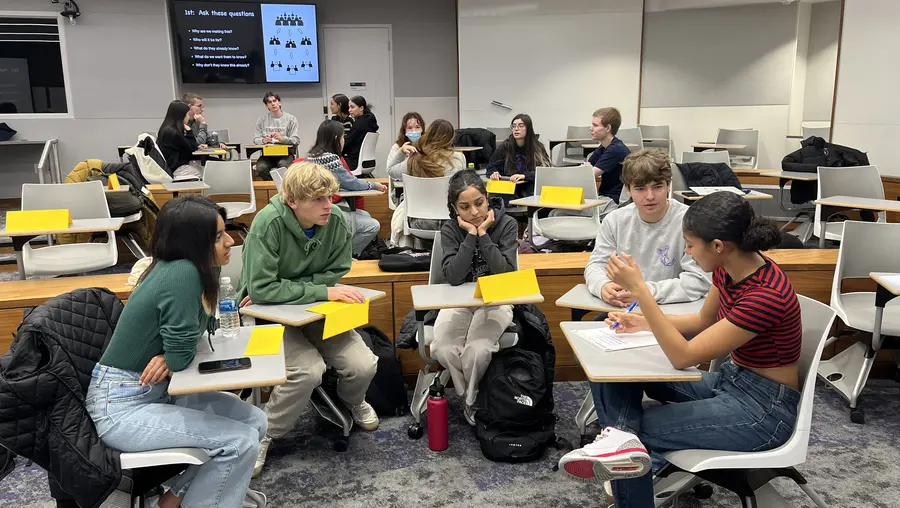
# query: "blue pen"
[[629, 309]]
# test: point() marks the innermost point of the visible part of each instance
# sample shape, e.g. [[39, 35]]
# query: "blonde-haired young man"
[[297, 249]]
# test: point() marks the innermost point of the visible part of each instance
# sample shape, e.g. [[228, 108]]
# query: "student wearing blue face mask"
[[410, 131]]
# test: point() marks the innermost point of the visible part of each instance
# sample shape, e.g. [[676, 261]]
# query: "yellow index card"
[[562, 195], [506, 286], [113, 182], [222, 150], [275, 150], [342, 317], [38, 220], [501, 187], [265, 341]]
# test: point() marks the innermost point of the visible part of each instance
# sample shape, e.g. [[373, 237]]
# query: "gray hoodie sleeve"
[[692, 284], [397, 166], [292, 136], [200, 132], [501, 258], [457, 255], [259, 132], [604, 248]]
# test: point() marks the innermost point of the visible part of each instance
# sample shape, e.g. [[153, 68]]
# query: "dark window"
[[31, 70]]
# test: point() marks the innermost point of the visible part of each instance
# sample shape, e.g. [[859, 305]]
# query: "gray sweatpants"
[[464, 342]]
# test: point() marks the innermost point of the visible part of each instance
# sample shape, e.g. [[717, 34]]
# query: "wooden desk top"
[[752, 171], [185, 186], [791, 175], [863, 203], [889, 281], [752, 195], [77, 226], [365, 193], [715, 146], [535, 201], [31, 293]]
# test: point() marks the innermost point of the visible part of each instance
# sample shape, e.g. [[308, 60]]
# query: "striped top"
[[763, 303]]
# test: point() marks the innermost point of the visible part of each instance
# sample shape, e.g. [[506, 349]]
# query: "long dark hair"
[[535, 153], [360, 101], [727, 217], [328, 138], [342, 101], [412, 115], [186, 229], [459, 182], [174, 119]]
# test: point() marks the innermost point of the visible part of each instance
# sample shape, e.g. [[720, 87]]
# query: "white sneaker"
[[469, 414], [364, 415], [261, 457], [254, 499], [614, 454]]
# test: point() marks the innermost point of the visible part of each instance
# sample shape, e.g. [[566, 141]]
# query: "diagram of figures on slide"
[[292, 46]]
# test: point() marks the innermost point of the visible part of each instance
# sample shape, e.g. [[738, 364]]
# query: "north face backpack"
[[514, 421]]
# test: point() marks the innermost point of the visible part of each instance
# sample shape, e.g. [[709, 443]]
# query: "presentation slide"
[[15, 86], [292, 47], [248, 42]]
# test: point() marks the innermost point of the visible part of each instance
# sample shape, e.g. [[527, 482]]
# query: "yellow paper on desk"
[[505, 286], [38, 220], [265, 341], [501, 187], [275, 150], [113, 182], [551, 194], [222, 150], [342, 317]]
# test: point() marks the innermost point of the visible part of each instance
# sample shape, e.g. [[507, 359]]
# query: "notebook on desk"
[[609, 340], [705, 191]]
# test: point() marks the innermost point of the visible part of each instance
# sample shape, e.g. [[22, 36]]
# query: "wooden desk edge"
[[689, 375], [228, 386], [891, 288], [861, 206]]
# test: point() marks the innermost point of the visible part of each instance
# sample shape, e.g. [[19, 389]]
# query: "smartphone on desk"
[[224, 365], [689, 194]]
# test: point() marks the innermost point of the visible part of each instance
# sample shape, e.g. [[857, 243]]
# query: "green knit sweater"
[[164, 315]]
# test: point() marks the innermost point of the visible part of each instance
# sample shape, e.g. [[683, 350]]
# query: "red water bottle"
[[437, 417]]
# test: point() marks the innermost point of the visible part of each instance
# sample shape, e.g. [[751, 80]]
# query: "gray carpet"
[[849, 465]]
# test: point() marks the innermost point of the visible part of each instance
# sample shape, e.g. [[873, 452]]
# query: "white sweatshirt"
[[658, 249]]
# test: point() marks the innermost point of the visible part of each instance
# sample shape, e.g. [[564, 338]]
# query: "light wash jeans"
[[733, 409], [366, 228], [134, 418]]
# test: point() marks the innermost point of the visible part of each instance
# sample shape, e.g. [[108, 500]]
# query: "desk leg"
[[578, 314], [19, 246], [822, 236], [531, 229]]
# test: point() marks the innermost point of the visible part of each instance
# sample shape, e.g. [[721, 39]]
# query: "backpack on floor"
[[387, 392], [514, 421], [405, 259]]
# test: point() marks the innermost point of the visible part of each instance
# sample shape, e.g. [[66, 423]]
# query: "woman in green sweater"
[[156, 335]]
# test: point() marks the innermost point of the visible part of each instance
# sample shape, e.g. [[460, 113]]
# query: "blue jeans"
[[134, 418], [733, 409]]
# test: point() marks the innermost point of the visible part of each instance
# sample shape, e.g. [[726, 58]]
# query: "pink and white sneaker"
[[613, 455]]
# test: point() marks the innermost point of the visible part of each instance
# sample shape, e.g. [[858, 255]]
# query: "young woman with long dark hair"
[[176, 140], [518, 156], [364, 122], [340, 111]]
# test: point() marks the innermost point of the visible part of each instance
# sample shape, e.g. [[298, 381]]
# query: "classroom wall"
[[867, 114], [556, 60], [821, 60], [112, 99], [709, 68]]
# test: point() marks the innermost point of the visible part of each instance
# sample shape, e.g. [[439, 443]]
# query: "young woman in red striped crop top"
[[751, 313]]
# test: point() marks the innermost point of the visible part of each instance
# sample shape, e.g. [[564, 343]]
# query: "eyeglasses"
[[517, 126]]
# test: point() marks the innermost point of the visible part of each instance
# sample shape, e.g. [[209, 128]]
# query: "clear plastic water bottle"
[[229, 320]]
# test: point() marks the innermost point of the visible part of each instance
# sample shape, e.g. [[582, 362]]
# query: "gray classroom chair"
[[278, 177], [574, 152], [366, 164], [426, 198], [748, 473], [568, 227], [84, 200], [866, 247], [708, 156], [745, 158], [822, 132], [425, 336], [854, 181], [632, 137], [657, 132]]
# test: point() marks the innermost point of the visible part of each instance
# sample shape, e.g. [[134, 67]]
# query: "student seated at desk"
[[364, 122], [197, 123], [171, 309], [607, 159], [478, 240], [432, 156], [176, 141], [340, 111], [329, 141], [275, 127], [297, 249], [751, 312], [518, 156], [650, 230]]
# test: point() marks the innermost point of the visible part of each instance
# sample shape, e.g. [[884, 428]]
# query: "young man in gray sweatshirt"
[[649, 229], [275, 127]]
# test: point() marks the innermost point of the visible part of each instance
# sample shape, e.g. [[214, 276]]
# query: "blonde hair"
[[646, 166], [307, 180], [435, 155], [190, 98]]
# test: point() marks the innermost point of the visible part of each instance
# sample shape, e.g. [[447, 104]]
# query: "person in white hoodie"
[[648, 229]]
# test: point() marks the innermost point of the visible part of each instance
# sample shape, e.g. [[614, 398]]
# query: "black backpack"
[[405, 259], [387, 391], [515, 421]]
